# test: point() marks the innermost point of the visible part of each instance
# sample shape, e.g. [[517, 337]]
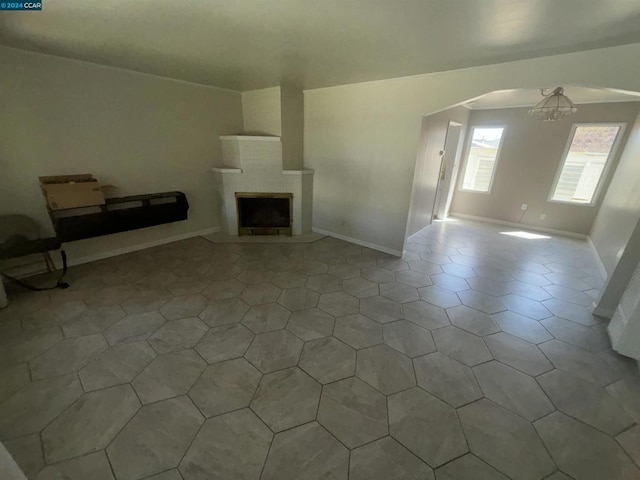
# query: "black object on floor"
[[59, 284], [20, 236]]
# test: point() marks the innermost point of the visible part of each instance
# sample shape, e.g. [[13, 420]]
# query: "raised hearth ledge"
[[221, 237], [239, 170], [306, 171], [250, 137]]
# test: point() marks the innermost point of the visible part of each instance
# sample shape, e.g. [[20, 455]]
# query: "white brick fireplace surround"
[[253, 164]]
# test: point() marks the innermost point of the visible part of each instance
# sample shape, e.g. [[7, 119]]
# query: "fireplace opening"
[[264, 213]]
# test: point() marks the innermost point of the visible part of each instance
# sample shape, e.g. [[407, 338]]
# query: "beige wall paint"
[[262, 112], [428, 161], [620, 210], [362, 139], [530, 155], [142, 133], [292, 111], [277, 111]]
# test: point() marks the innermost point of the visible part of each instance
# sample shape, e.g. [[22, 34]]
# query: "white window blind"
[[482, 158], [585, 162]]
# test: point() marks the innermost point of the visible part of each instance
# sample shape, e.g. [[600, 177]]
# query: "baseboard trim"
[[362, 243], [603, 312], [414, 234], [523, 226], [594, 250], [140, 246]]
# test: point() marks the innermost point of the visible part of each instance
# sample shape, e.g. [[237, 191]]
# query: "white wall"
[[620, 209], [619, 278], [262, 112], [142, 133], [616, 230], [362, 139]]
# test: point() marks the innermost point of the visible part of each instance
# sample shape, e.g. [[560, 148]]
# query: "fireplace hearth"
[[264, 213]]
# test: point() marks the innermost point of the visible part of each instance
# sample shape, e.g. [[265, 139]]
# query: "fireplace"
[[254, 164], [264, 213]]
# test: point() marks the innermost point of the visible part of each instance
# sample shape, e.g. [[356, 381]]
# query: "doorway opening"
[[436, 169], [450, 160]]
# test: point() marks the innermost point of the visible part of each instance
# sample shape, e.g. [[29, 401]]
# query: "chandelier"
[[553, 106]]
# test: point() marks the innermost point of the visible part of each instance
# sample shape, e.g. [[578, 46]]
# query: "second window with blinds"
[[585, 163]]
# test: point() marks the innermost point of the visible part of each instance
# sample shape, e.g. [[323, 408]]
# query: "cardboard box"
[[71, 191]]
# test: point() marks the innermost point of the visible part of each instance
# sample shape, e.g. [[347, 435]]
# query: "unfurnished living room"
[[337, 240]]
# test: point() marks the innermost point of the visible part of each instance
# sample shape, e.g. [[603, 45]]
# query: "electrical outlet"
[[524, 206], [543, 216]]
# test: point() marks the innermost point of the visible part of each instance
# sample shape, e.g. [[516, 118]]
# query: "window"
[[585, 163], [482, 158]]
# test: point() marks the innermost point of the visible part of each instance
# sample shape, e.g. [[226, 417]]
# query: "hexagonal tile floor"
[[472, 357], [286, 399], [353, 412]]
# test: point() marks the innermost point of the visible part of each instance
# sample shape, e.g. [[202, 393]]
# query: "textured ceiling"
[[250, 44]]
